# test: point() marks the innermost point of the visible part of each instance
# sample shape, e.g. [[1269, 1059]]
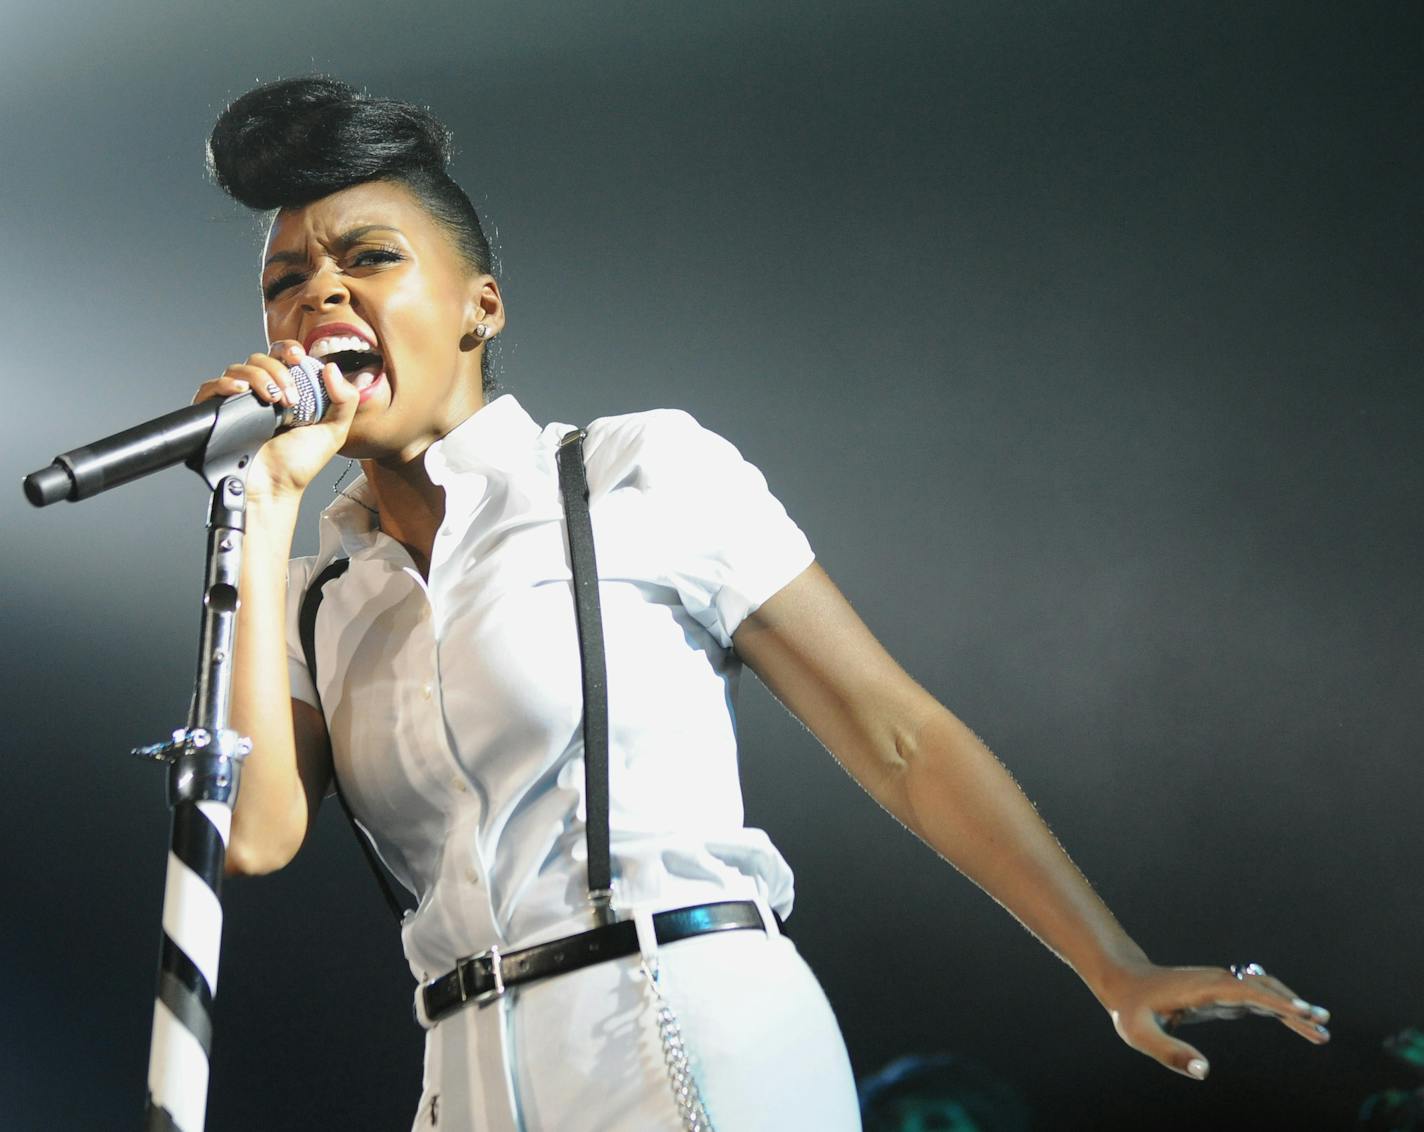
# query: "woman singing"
[[447, 698]]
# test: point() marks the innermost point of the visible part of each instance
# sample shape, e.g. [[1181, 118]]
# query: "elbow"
[[257, 856], [266, 835]]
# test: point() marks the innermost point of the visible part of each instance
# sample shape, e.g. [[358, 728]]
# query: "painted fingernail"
[[1197, 1067], [274, 390], [1300, 1004], [1322, 1031], [1321, 1013]]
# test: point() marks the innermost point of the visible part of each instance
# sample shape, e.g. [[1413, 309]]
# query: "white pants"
[[581, 1052]]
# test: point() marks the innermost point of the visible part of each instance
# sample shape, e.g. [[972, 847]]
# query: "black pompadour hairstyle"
[[290, 142]]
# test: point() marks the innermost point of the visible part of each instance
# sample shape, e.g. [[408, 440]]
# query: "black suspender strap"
[[311, 602], [306, 629], [573, 483]]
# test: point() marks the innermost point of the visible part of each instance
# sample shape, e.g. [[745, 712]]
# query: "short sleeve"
[[299, 575], [726, 543]]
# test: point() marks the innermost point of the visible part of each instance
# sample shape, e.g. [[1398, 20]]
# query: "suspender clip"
[[602, 901]]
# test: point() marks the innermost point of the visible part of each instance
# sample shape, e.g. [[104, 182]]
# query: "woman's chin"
[[367, 440]]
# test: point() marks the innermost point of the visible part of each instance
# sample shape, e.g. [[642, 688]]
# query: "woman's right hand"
[[287, 463]]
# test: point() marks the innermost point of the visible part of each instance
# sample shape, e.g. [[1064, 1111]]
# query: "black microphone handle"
[[177, 437]]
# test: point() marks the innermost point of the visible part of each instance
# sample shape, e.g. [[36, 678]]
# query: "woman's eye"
[[371, 257], [280, 284], [376, 255]]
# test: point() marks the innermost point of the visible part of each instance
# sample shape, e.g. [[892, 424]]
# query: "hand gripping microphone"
[[198, 435]]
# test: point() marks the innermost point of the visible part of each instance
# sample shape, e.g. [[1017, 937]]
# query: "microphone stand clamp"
[[203, 767]]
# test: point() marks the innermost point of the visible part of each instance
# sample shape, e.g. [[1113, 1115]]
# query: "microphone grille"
[[312, 399]]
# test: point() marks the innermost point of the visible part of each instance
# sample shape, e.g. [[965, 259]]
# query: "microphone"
[[225, 426]]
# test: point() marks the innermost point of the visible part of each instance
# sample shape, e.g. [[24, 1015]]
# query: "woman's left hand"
[[1147, 1004]]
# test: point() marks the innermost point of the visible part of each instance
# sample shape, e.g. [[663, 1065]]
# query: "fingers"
[[277, 363], [225, 386], [1144, 1033], [345, 398], [1266, 994], [267, 376], [284, 347], [1315, 1013], [1220, 994], [1152, 1003]]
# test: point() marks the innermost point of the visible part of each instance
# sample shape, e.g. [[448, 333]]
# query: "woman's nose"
[[324, 287]]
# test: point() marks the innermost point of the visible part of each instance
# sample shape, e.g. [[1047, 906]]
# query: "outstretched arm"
[[932, 773]]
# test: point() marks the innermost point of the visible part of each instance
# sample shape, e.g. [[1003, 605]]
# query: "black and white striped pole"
[[204, 767], [218, 440]]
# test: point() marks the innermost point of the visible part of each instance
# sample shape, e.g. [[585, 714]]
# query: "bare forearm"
[[952, 792], [270, 817], [928, 769]]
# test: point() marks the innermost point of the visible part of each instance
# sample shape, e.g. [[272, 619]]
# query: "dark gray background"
[[1081, 338]]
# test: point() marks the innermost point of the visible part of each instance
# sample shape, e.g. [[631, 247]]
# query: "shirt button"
[[427, 691], [472, 876], [444, 532], [460, 784]]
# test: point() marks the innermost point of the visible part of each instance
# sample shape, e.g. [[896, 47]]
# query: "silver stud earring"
[[482, 331]]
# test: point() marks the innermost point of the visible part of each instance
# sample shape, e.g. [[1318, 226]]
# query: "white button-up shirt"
[[455, 704]]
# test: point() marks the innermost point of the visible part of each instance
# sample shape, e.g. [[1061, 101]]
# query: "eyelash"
[[381, 254]]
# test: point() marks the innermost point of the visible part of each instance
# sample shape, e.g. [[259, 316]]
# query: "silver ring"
[[1241, 970]]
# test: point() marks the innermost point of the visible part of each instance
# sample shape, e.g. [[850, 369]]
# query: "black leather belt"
[[485, 977]]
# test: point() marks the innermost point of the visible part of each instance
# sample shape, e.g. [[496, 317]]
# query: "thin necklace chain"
[[336, 487], [336, 490]]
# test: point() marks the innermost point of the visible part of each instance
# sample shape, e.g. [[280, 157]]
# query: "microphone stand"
[[205, 757], [204, 769]]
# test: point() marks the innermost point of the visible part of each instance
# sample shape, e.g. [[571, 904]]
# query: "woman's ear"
[[484, 311]]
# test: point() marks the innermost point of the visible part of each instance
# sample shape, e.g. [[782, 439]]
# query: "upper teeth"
[[324, 347]]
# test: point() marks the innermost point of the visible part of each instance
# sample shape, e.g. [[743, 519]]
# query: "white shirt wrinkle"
[[688, 541]]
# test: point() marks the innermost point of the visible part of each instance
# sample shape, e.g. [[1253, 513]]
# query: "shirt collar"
[[498, 437], [494, 437]]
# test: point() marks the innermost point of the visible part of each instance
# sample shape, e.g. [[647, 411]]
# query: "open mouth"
[[360, 367]]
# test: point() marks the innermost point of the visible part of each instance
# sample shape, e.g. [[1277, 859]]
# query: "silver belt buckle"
[[467, 991]]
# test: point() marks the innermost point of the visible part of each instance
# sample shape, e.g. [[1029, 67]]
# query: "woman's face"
[[371, 262]]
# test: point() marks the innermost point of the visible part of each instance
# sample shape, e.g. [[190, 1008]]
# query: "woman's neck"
[[411, 507]]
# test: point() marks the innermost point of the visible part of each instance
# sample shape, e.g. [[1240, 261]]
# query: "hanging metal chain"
[[685, 1092], [336, 487]]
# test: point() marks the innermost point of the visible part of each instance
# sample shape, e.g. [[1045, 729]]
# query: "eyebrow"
[[341, 243]]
